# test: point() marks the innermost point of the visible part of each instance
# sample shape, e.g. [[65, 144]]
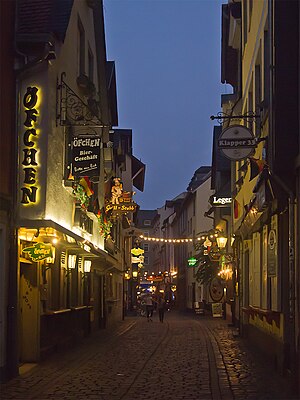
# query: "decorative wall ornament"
[[116, 191], [73, 111], [120, 201]]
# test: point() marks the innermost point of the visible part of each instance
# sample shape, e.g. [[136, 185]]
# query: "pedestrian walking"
[[149, 307], [161, 305]]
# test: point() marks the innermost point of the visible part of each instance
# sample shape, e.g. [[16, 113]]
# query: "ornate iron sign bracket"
[[221, 116], [73, 111]]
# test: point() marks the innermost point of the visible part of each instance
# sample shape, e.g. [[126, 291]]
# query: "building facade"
[[71, 190], [264, 75], [8, 243], [196, 206]]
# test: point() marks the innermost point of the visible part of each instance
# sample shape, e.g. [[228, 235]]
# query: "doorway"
[[29, 330]]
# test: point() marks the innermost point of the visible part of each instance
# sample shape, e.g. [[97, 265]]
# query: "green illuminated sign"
[[192, 261], [39, 251]]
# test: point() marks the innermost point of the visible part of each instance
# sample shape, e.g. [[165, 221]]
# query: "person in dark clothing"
[[161, 305], [149, 307]]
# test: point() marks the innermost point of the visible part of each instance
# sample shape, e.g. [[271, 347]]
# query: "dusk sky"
[[167, 55]]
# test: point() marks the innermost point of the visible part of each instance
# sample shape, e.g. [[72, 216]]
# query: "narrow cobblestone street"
[[186, 357]]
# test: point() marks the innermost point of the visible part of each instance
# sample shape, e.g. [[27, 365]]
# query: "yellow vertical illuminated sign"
[[29, 189]]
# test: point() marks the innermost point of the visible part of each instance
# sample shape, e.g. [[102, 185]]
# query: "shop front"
[[259, 247], [56, 293]]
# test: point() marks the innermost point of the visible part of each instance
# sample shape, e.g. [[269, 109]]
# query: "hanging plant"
[[207, 268], [81, 195], [104, 224]]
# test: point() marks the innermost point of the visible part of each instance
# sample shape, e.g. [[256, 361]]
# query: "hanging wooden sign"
[[85, 156], [39, 251], [121, 201]]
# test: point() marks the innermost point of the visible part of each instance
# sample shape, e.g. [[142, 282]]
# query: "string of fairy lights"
[[202, 237]]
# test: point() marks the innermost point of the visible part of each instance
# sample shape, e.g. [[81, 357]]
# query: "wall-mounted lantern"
[[222, 241], [87, 266], [72, 261]]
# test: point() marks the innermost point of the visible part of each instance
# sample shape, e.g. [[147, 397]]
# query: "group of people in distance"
[[149, 302]]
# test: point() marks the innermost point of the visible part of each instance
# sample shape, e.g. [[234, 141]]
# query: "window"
[[72, 280], [81, 48], [109, 285], [115, 234], [245, 21], [250, 106], [147, 222], [266, 71], [63, 283], [250, 13], [257, 97], [90, 65], [183, 221], [146, 246], [146, 260], [255, 272], [83, 221]]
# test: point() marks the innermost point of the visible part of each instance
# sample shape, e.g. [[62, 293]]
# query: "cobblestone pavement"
[[185, 358]]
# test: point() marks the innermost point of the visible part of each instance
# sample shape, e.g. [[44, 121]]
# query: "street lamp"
[[135, 273], [222, 241]]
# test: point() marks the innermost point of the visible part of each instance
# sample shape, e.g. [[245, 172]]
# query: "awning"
[[138, 173], [48, 229]]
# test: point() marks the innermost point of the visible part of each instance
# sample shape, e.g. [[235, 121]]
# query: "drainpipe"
[[227, 220], [206, 214]]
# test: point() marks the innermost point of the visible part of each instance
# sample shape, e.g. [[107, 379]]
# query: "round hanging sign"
[[272, 239], [216, 290], [237, 142]]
